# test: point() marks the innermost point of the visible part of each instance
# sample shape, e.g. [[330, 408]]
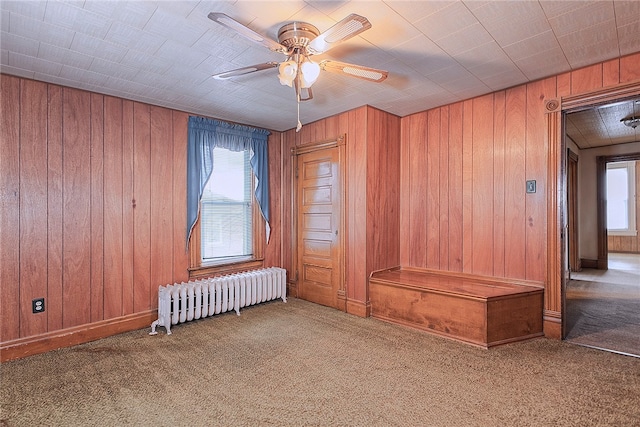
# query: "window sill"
[[630, 233], [217, 269]]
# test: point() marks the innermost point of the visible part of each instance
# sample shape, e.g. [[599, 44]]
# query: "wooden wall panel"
[[482, 177], [287, 199], [141, 207], [76, 208], [536, 169], [54, 301], [273, 250], [417, 235], [33, 206], [128, 203], [10, 104], [499, 183], [113, 200], [586, 79], [455, 238], [443, 166], [180, 254], [161, 214], [97, 207], [515, 225], [405, 196], [611, 72], [356, 181], [433, 185], [467, 186], [383, 152], [630, 68]]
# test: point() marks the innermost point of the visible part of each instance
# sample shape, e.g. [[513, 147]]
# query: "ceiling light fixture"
[[299, 41], [632, 121]]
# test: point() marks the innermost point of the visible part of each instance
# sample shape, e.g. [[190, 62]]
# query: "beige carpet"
[[299, 364]]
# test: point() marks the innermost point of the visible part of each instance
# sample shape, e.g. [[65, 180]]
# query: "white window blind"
[[226, 209]]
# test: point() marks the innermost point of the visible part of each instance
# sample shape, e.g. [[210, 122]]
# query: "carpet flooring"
[[604, 315], [300, 364]]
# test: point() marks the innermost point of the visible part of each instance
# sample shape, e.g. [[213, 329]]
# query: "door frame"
[[340, 143], [572, 213], [554, 319]]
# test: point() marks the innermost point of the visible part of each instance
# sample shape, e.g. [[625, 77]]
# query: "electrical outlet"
[[37, 305]]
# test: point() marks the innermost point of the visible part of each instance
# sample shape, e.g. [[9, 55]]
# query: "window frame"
[[199, 269], [630, 166]]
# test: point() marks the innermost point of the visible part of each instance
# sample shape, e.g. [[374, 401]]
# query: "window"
[[227, 196], [621, 202], [226, 212]]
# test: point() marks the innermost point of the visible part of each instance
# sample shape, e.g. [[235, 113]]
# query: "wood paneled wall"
[[93, 216], [372, 199], [93, 213], [464, 205], [463, 173], [629, 244]]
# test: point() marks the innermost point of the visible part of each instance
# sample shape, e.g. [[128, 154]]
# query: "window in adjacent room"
[[621, 203]]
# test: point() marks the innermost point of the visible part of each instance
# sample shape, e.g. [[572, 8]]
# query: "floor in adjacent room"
[[603, 306]]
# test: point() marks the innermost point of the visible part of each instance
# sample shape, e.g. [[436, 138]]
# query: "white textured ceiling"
[[436, 52]]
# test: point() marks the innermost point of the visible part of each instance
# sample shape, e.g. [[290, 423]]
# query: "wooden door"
[[572, 205], [319, 223]]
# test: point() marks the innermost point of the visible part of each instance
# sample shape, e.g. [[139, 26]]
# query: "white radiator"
[[184, 302]]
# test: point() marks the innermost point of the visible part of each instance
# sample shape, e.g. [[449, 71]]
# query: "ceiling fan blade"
[[350, 26], [245, 70], [247, 32], [366, 73]]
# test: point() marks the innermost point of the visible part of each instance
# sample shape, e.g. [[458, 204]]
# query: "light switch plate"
[[531, 186]]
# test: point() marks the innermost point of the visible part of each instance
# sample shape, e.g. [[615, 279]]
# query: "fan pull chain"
[[298, 100]]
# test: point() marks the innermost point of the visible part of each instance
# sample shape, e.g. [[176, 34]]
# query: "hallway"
[[603, 306]]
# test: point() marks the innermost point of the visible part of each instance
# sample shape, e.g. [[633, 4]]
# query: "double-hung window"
[[621, 202], [226, 210], [227, 195]]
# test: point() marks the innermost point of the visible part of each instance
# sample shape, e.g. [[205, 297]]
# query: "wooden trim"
[[588, 263], [217, 270], [601, 96], [555, 219], [469, 276], [552, 324], [554, 293], [320, 145], [572, 210], [601, 215], [43, 343], [358, 308]]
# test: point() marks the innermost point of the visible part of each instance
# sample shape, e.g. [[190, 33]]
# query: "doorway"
[[319, 217], [602, 296]]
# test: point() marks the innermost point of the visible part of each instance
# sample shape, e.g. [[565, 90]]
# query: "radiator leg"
[[153, 328]]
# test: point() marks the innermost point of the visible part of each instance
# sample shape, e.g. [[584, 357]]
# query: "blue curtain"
[[206, 134]]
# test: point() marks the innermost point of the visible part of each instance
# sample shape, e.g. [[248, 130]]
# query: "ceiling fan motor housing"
[[297, 34]]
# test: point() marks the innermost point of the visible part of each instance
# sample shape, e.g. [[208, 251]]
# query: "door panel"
[[319, 226]]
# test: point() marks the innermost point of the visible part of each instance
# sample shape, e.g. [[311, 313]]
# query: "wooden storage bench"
[[479, 310]]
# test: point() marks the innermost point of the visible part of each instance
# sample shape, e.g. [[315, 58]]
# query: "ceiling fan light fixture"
[[632, 121], [287, 72], [309, 73]]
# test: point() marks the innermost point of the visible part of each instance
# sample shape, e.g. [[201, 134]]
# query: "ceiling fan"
[[298, 41]]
